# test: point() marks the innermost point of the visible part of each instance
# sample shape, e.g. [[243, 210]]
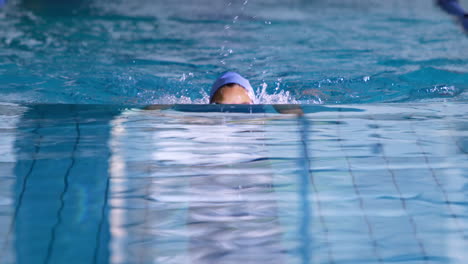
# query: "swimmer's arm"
[[280, 108], [291, 109], [287, 109], [157, 107]]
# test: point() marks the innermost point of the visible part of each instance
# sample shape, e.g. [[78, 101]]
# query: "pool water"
[[343, 184], [374, 171], [321, 51]]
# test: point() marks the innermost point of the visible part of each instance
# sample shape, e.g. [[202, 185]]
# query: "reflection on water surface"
[[103, 184]]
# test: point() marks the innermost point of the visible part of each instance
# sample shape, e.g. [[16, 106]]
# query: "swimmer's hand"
[[157, 107], [289, 109], [464, 22], [452, 7]]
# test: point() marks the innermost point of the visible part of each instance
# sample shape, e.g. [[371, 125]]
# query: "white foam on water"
[[278, 97], [263, 97]]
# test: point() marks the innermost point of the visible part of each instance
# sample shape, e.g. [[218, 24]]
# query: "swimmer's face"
[[231, 94]]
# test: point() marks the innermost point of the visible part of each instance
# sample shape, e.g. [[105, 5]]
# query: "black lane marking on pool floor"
[[304, 230], [437, 182], [37, 148], [370, 229], [304, 129], [50, 246], [103, 216], [395, 183]]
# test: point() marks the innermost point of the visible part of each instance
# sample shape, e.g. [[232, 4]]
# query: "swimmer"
[[232, 88], [454, 8], [229, 88]]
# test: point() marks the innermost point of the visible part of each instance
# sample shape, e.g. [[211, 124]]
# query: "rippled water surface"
[[344, 184], [321, 51]]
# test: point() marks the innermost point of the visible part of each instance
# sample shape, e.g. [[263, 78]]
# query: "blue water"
[[172, 51], [345, 184], [373, 171]]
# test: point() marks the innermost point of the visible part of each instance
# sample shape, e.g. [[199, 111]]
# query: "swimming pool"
[[113, 52], [343, 184], [375, 171]]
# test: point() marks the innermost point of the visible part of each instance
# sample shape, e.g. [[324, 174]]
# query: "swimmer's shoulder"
[[214, 108], [279, 108]]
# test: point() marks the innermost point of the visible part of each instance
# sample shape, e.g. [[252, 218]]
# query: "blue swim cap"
[[229, 78]]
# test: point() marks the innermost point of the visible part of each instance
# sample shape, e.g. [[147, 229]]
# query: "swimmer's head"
[[231, 94], [231, 88]]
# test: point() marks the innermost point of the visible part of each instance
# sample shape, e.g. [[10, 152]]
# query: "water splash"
[[436, 91], [277, 97]]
